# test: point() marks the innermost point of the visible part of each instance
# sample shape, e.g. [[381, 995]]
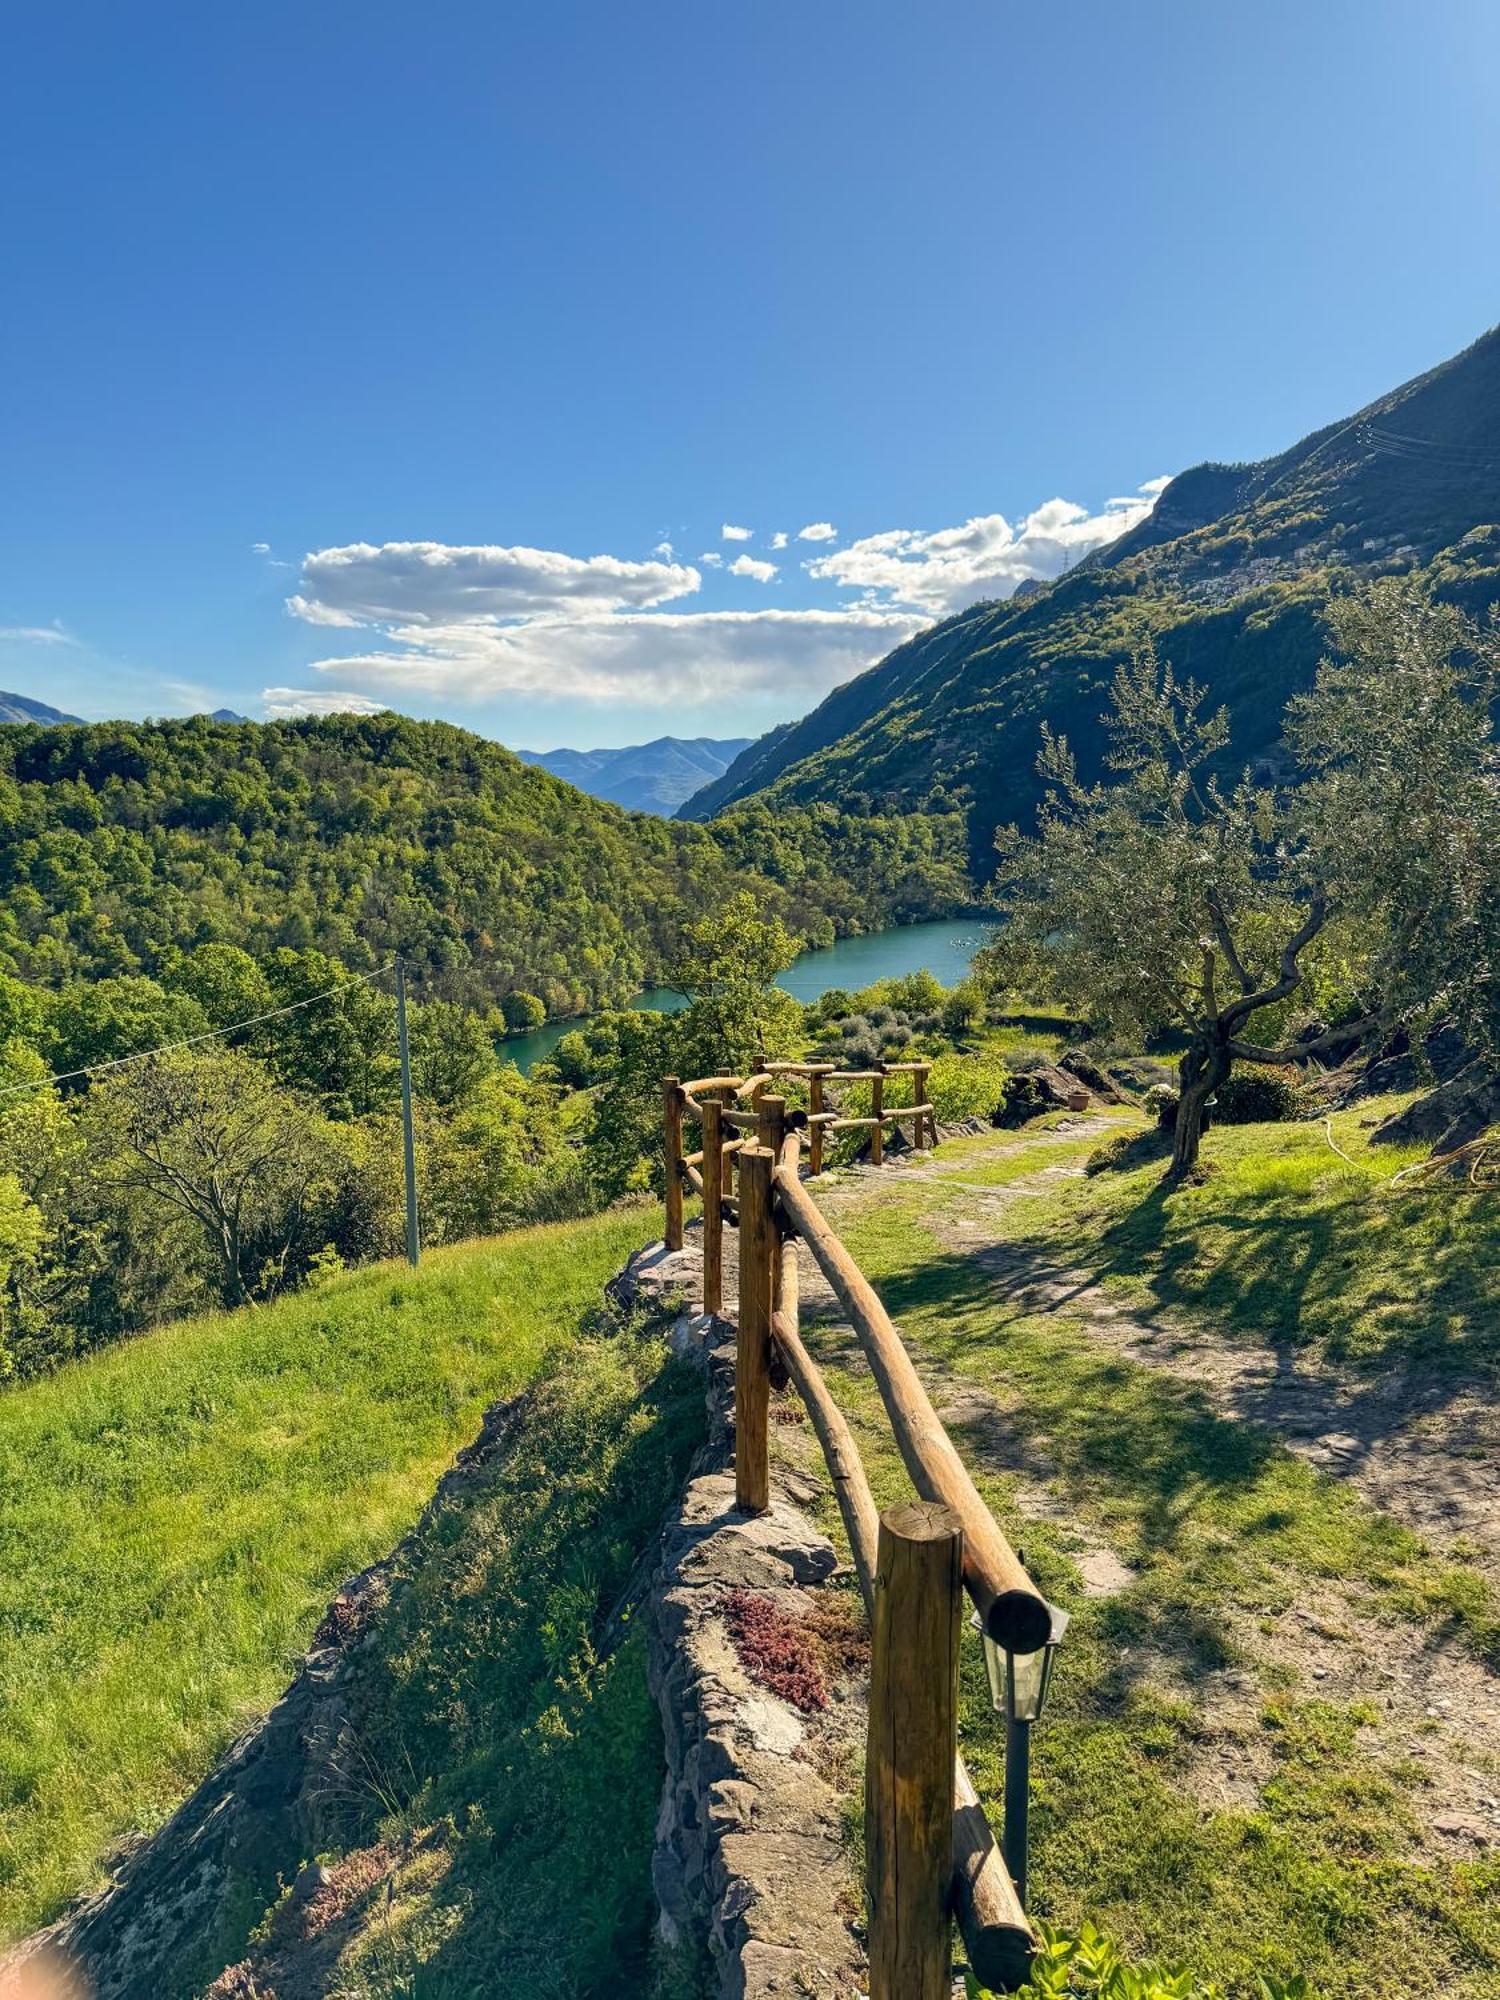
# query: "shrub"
[[880, 1017], [915, 993], [972, 1086], [1259, 1097], [1160, 1103]]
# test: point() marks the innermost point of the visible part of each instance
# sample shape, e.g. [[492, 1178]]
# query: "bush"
[[1126, 1150], [915, 993], [1259, 1097], [1160, 1103], [973, 1086]]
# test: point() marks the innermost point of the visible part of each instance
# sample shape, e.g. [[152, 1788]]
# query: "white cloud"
[[37, 635], [711, 559], [431, 581], [646, 657], [729, 533], [282, 704], [665, 550], [778, 540], [942, 572], [260, 548], [818, 531], [748, 566]]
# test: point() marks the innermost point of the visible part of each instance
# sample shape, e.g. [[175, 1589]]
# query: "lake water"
[[945, 949]]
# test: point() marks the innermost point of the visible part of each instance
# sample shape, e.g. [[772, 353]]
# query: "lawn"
[[1200, 1795], [178, 1510]]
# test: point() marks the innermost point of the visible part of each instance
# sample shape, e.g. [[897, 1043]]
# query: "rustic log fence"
[[931, 1858]]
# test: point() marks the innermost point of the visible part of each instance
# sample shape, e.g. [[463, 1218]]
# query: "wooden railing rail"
[[931, 1855]]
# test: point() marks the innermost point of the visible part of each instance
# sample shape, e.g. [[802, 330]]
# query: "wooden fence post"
[[713, 1211], [752, 1363], [815, 1093], [770, 1124], [913, 1741], [919, 1083], [877, 1130], [671, 1098]]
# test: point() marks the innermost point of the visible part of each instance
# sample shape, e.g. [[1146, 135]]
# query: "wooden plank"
[[1013, 1610], [693, 1177], [752, 1378], [815, 1121], [753, 1086], [913, 1740], [877, 1127], [701, 1084], [998, 1939], [713, 1212], [671, 1101]]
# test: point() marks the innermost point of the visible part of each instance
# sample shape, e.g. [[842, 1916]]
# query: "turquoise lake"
[[944, 948]]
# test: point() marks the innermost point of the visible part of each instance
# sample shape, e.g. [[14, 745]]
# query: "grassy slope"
[[179, 1509], [1227, 1531]]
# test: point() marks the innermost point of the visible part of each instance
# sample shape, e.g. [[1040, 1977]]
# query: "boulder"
[[1463, 1108]]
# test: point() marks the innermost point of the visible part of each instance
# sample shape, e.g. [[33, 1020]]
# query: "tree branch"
[[1290, 974]]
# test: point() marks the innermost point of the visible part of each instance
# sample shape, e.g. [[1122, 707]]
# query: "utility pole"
[[413, 1240]]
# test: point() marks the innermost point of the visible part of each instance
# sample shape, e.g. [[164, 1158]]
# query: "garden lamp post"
[[1019, 1684]]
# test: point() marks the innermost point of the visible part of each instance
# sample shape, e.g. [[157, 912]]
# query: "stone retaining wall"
[[751, 1862]]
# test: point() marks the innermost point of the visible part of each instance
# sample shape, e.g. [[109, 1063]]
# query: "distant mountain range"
[[21, 708], [1229, 575], [645, 777]]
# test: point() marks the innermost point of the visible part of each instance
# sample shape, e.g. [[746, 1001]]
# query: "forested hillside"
[[123, 845], [1230, 576]]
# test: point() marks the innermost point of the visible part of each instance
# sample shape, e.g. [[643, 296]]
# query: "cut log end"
[[1000, 1956], [1019, 1620]]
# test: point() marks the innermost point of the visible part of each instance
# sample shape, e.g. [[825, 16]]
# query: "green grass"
[[1226, 1531], [179, 1509], [1287, 1244]]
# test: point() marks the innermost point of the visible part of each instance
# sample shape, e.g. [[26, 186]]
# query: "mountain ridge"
[[22, 708], [1229, 576], [643, 777]]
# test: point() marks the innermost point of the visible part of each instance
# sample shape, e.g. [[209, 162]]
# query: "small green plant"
[[1088, 1967]]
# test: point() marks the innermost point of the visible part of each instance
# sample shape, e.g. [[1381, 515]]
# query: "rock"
[[1455, 1112], [1088, 1073]]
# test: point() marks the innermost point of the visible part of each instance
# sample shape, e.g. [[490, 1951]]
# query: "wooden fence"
[[931, 1857]]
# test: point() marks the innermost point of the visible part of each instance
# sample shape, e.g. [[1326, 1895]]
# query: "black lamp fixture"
[[1019, 1686]]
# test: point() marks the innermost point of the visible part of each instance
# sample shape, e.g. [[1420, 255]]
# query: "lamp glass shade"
[[1019, 1682]]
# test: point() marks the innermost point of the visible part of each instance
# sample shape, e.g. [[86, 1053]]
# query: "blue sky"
[[470, 329]]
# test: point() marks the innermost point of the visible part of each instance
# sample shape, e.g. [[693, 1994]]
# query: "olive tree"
[[1162, 898], [1397, 738]]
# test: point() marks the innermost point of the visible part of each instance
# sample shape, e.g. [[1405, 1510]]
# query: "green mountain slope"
[[1229, 574], [124, 843], [21, 708]]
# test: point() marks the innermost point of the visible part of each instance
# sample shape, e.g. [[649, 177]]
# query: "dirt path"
[[1422, 1452]]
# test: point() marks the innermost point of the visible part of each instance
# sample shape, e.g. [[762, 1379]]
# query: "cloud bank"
[[475, 623], [945, 571]]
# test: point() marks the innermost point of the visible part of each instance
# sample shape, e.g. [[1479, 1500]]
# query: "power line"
[[193, 1041]]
